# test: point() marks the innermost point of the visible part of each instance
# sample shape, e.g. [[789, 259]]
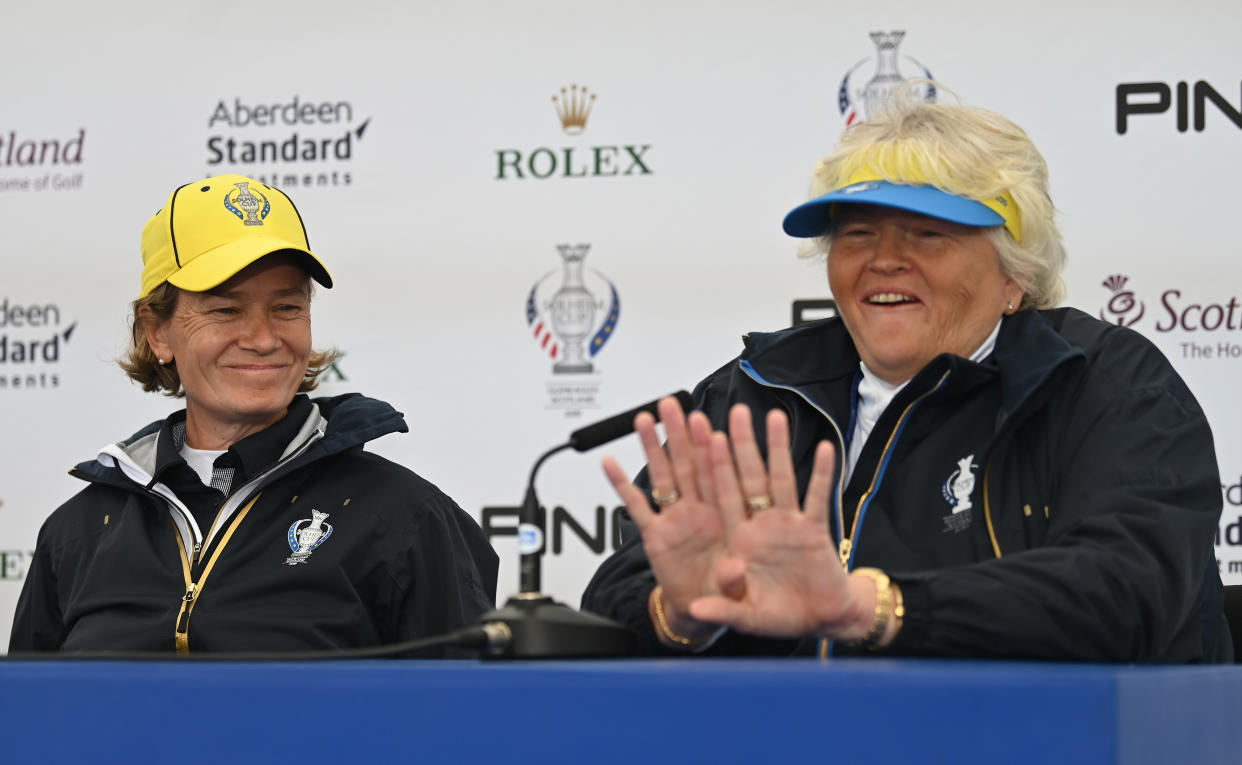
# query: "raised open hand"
[[685, 540], [781, 576]]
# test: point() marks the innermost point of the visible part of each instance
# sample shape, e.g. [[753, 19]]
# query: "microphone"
[[600, 433], [532, 624]]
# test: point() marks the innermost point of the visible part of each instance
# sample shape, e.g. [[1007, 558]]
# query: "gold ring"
[[665, 498], [761, 502]]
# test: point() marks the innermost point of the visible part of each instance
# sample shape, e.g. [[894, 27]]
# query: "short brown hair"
[[144, 368]]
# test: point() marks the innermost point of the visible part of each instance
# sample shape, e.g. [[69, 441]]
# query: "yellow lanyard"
[[194, 589]]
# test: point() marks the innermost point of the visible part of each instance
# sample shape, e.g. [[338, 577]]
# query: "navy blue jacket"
[[394, 558], [1057, 501]]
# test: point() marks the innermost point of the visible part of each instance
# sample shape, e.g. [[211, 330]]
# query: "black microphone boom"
[[600, 433], [532, 623]]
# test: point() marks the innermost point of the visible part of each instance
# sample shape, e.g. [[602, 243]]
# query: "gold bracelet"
[[662, 622], [899, 608], [887, 605]]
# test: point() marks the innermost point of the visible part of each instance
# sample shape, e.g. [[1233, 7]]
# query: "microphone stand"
[[532, 625]]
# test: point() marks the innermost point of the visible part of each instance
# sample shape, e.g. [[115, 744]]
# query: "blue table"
[[633, 712]]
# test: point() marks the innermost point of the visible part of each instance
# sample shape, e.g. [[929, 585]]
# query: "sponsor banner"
[[858, 99], [1187, 322], [528, 245], [571, 320], [42, 161], [1229, 535], [1182, 106], [34, 338], [296, 143], [573, 106]]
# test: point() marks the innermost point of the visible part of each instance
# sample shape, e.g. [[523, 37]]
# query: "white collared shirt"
[[874, 396]]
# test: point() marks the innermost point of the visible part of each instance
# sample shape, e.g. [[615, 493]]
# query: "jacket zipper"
[[134, 472], [193, 589], [848, 544], [987, 500], [255, 483], [181, 630], [837, 495]]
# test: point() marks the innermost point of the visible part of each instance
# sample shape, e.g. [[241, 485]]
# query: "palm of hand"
[[787, 571], [685, 543]]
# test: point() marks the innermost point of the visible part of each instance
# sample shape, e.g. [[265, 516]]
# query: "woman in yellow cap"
[[954, 466], [251, 520]]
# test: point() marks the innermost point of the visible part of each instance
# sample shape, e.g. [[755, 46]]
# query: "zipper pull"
[[183, 623], [846, 544]]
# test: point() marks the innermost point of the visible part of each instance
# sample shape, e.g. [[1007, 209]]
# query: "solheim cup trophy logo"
[[303, 540], [862, 102], [252, 207], [565, 323], [573, 312]]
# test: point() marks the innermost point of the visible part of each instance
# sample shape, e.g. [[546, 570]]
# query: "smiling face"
[[910, 287], [241, 350]]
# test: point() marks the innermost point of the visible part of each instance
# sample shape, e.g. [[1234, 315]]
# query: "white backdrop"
[[435, 242]]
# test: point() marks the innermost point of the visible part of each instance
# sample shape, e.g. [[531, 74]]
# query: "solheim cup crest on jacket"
[[957, 489], [306, 535], [571, 320], [860, 100]]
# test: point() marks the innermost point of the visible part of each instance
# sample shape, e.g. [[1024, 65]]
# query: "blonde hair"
[[966, 151], [143, 366]]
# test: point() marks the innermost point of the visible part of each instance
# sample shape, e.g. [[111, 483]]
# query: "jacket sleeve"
[[38, 624], [444, 578], [1125, 570]]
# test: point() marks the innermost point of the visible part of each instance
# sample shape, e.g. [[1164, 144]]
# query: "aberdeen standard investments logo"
[[859, 99], [32, 338], [291, 144], [571, 319], [573, 107]]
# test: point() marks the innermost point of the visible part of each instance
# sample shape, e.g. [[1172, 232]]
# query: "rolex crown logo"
[[573, 106]]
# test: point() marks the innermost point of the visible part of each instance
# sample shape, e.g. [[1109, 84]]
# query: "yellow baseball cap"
[[211, 229]]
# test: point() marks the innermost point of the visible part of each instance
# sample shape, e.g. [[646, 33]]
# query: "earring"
[[1010, 308], [162, 362]]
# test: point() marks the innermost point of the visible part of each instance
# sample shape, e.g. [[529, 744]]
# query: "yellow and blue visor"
[[812, 218]]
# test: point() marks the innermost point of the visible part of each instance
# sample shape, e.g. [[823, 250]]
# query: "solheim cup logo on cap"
[[573, 106], [571, 320], [859, 101], [251, 206], [41, 162], [291, 143], [32, 338]]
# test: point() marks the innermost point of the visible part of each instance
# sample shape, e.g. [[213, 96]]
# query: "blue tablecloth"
[[625, 711]]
